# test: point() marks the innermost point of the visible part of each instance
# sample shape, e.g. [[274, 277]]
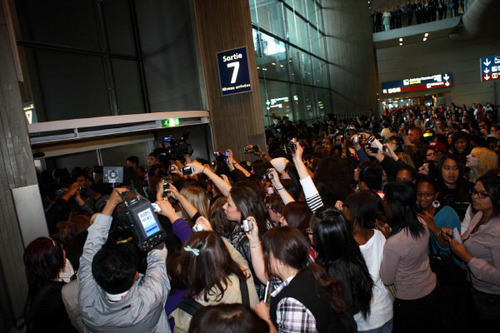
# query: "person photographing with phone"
[[479, 249]]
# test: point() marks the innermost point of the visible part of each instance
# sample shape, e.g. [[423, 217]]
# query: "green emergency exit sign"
[[170, 122]]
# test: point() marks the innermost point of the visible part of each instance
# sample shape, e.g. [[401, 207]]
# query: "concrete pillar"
[[16, 171], [236, 120]]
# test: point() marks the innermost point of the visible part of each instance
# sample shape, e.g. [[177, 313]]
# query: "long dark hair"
[[401, 199], [209, 267], [372, 176], [43, 259], [227, 318], [334, 241], [249, 203], [218, 219], [364, 208], [297, 214], [291, 247]]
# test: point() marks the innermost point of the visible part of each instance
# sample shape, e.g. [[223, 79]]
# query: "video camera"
[[141, 220], [178, 146]]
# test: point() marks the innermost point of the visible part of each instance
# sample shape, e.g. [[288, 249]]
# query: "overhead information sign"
[[233, 71], [490, 68], [417, 83]]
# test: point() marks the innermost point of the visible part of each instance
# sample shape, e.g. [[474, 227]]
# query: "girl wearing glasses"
[[479, 249]]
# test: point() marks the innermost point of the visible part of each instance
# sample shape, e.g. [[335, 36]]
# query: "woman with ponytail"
[[307, 300], [406, 264]]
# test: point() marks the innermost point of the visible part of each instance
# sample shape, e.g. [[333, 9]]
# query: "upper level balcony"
[[470, 19]]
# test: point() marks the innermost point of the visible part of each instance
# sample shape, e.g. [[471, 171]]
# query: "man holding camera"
[[111, 294]]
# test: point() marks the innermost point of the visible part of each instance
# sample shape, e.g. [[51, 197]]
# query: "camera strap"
[[245, 299]]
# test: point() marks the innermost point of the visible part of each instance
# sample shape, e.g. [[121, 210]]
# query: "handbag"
[[447, 271]]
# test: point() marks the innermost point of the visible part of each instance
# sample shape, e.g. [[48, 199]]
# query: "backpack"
[[191, 306]]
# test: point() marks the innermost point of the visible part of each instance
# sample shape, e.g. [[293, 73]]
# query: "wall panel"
[[442, 55], [350, 48]]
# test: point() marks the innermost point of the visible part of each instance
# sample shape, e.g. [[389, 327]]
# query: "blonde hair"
[[406, 159], [198, 197], [488, 160]]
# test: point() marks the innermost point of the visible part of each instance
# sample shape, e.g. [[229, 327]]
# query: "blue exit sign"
[[490, 68]]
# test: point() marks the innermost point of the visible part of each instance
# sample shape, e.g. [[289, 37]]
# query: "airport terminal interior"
[[87, 84]]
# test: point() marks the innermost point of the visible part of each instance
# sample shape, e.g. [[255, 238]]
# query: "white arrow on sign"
[[497, 60], [487, 62], [447, 83], [446, 77], [486, 71], [487, 77], [29, 116]]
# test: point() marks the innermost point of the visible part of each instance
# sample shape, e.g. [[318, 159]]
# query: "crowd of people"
[[372, 224], [406, 13]]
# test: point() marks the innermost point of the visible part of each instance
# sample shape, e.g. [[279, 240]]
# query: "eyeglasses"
[[480, 195]]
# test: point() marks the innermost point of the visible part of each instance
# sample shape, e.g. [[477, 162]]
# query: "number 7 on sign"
[[236, 66]]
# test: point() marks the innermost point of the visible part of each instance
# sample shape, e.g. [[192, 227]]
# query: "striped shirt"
[[313, 199]]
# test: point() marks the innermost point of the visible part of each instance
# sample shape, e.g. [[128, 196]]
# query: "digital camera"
[[291, 147], [269, 176], [375, 144], [187, 170], [247, 226]]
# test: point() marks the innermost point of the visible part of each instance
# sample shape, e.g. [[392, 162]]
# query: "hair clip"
[[196, 252]]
